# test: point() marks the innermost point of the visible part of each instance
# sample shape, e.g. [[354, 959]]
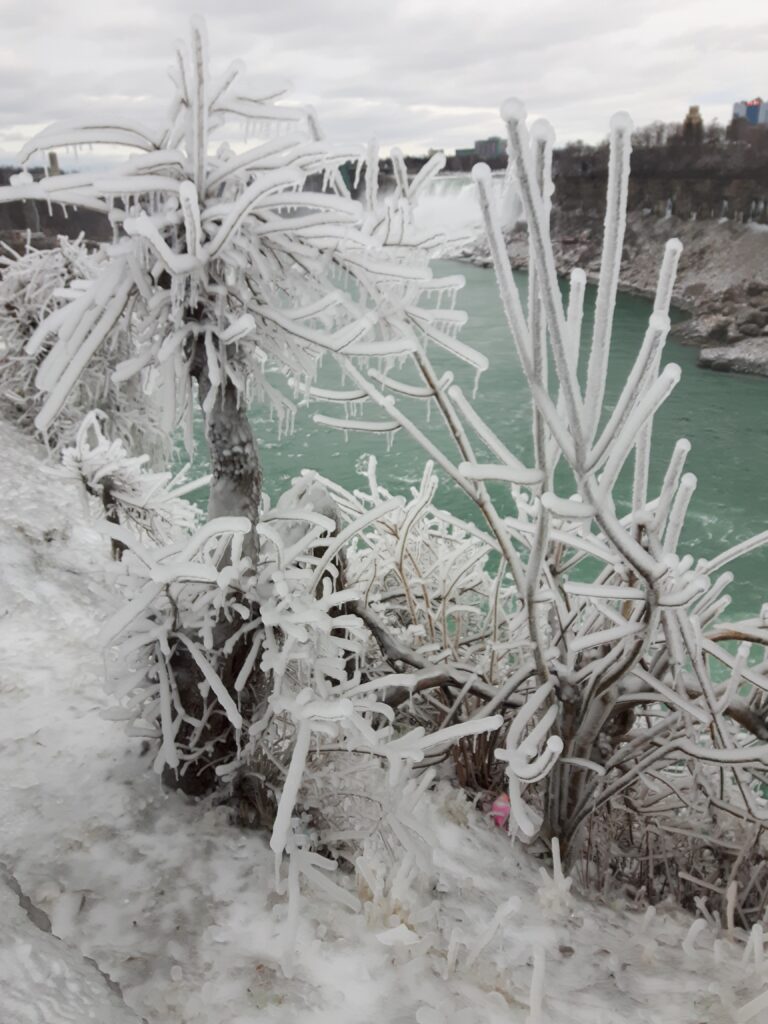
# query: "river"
[[724, 416]]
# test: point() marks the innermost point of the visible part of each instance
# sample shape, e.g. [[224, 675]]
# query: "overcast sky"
[[417, 74]]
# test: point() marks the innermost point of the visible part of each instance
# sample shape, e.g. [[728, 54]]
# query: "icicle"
[[537, 987], [689, 942], [757, 945], [730, 906], [400, 171], [372, 176]]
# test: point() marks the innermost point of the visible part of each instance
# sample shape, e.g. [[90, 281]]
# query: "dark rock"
[[701, 329], [758, 317]]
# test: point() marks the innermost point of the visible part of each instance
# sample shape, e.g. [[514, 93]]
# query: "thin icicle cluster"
[[176, 597], [610, 625], [138, 502], [34, 286]]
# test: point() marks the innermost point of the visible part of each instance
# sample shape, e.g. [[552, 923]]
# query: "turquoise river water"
[[724, 416]]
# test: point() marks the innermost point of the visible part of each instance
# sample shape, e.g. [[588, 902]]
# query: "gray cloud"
[[418, 73]]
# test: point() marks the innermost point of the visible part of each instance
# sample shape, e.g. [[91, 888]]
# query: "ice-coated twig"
[[620, 148]]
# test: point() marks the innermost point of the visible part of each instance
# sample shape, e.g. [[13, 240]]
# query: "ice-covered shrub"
[[310, 682], [35, 286], [605, 633]]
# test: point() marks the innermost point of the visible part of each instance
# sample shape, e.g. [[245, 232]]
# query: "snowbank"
[[178, 907], [44, 981]]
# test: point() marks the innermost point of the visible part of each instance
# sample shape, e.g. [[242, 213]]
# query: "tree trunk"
[[235, 490], [235, 465]]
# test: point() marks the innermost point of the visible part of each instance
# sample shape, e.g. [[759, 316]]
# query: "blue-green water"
[[725, 416]]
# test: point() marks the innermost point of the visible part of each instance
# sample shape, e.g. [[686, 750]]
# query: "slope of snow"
[[179, 908], [44, 981]]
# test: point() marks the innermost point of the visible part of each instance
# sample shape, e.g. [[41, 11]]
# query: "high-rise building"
[[753, 111], [693, 127], [489, 149]]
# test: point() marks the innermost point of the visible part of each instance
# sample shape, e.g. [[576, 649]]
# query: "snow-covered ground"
[[178, 907]]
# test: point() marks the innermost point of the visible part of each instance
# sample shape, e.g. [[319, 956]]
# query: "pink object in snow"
[[500, 810]]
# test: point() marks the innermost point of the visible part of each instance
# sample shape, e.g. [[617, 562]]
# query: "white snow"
[[178, 906], [45, 981]]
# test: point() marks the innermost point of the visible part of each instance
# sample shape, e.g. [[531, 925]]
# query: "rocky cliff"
[[723, 274]]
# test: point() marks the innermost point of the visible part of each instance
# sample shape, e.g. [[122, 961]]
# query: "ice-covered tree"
[[224, 267], [215, 265], [224, 264]]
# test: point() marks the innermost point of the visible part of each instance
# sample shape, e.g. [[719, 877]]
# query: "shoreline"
[[722, 282]]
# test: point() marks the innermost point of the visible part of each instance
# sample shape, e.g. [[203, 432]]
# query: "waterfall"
[[450, 205]]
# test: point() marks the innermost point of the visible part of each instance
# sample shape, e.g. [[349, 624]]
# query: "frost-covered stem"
[[542, 161], [481, 496], [670, 484], [631, 550], [661, 307], [667, 275], [644, 369], [642, 415], [112, 515], [490, 514], [574, 318], [419, 436], [236, 476], [513, 311], [315, 130], [400, 170], [532, 577], [596, 706], [718, 727], [613, 241], [678, 511], [513, 114], [429, 675], [199, 113], [495, 618]]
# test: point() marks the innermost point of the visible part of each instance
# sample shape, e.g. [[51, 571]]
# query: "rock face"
[[722, 278]]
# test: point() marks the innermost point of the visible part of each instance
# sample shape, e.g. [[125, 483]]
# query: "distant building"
[[491, 149], [693, 127], [750, 122], [752, 111]]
